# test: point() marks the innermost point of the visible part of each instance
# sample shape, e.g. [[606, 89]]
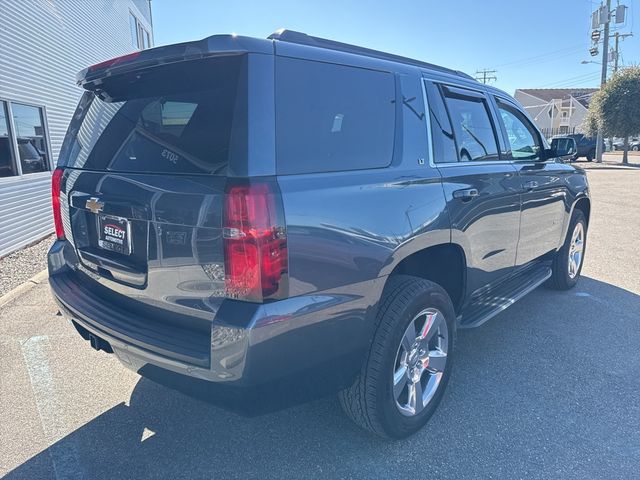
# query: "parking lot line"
[[64, 457]]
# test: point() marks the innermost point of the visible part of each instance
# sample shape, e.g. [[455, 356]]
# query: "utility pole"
[[616, 49], [615, 58], [485, 76], [603, 76]]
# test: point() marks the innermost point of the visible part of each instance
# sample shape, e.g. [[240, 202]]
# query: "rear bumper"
[[254, 356]]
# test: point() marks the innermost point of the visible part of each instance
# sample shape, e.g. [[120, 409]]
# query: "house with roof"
[[556, 111]]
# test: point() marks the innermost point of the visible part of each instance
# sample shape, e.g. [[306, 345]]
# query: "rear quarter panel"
[[352, 226], [345, 228]]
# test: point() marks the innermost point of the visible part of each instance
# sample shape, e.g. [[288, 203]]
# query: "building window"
[[7, 167], [28, 122], [140, 37], [23, 141], [147, 40], [133, 27]]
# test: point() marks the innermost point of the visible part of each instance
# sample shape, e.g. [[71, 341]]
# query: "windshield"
[[171, 119]]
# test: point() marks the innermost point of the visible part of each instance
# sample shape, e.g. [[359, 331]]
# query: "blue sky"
[[531, 44]]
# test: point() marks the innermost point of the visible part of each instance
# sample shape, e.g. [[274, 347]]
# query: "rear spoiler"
[[216, 45]]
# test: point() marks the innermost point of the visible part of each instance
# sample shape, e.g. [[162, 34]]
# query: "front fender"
[[579, 194]]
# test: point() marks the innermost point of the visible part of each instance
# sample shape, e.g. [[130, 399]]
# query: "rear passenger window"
[[332, 117], [475, 136], [444, 145]]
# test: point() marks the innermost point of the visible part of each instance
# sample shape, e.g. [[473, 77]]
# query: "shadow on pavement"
[[548, 388]]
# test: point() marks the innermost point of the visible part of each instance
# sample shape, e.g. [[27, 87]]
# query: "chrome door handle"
[[466, 193], [530, 185]]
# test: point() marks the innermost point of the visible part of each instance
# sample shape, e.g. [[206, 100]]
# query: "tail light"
[[255, 243], [56, 178]]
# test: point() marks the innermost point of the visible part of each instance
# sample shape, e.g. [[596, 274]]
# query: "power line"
[[575, 82], [485, 76], [578, 83], [545, 59], [563, 51], [576, 78]]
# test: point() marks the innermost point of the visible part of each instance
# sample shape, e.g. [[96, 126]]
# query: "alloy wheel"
[[420, 361], [576, 250]]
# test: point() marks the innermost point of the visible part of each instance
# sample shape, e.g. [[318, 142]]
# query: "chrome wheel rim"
[[576, 250], [420, 361]]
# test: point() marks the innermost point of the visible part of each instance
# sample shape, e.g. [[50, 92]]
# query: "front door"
[[542, 182]]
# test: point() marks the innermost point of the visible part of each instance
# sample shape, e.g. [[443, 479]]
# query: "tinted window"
[[6, 158], [444, 145], [475, 137], [32, 144], [175, 119], [523, 139], [331, 117]]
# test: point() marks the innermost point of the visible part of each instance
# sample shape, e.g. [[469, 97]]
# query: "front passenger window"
[[522, 136]]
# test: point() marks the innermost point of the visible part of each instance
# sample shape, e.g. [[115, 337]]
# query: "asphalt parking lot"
[[548, 389]]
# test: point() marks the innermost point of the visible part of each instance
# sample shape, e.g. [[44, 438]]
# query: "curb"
[[37, 279]]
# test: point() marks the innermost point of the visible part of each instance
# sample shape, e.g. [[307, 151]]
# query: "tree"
[[615, 108]]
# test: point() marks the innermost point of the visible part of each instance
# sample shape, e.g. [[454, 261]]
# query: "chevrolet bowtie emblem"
[[94, 205]]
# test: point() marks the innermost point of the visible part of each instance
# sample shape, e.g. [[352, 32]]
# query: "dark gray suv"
[[260, 222]]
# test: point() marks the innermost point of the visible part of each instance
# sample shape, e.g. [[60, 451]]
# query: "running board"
[[493, 302]]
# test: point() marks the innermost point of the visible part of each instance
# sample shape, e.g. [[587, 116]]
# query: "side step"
[[494, 301]]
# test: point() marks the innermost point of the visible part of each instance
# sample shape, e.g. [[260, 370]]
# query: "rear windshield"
[[179, 118]]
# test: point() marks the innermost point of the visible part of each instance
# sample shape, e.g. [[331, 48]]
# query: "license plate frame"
[[114, 234]]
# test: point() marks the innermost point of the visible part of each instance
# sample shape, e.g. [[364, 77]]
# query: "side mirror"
[[563, 147]]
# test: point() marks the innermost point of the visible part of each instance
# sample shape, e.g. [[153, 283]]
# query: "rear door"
[[146, 160], [481, 188]]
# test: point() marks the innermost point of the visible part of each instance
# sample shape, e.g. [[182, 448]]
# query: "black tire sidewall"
[[393, 422]]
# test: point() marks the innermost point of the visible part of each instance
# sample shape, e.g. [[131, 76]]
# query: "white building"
[[43, 44], [556, 110]]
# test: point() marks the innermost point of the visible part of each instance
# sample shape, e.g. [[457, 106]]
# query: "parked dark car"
[[6, 162], [260, 222], [32, 160], [586, 146]]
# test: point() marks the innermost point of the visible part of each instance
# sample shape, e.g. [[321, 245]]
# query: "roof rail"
[[300, 38]]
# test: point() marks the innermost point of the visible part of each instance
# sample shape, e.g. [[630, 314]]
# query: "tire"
[[591, 155], [635, 148], [371, 402], [563, 277]]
